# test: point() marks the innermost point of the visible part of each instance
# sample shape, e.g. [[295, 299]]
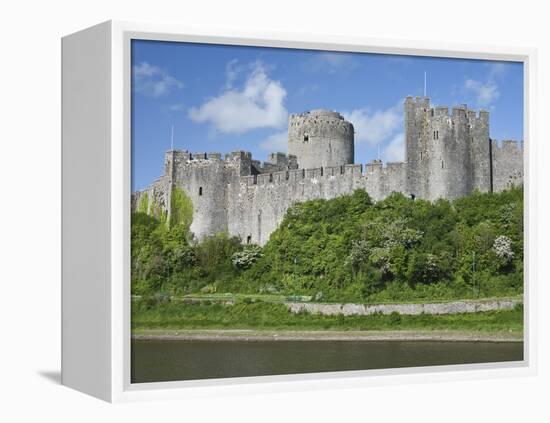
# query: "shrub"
[[395, 318], [246, 258]]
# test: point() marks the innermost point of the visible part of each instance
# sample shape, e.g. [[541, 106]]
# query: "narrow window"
[[434, 135], [421, 155], [306, 138], [437, 134], [442, 164], [200, 190], [248, 239]]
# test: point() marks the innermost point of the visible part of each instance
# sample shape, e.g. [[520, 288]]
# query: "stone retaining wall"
[[455, 307]]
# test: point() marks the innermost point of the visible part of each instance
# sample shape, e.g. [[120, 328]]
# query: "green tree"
[[181, 209]]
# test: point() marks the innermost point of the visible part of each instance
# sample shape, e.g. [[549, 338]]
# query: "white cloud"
[[332, 62], [232, 70], [497, 69], [259, 103], [178, 107], [153, 81], [334, 59], [485, 93], [277, 142], [395, 149], [374, 128]]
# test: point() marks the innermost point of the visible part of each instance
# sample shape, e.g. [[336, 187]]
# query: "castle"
[[446, 156]]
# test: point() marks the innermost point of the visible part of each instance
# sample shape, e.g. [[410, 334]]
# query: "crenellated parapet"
[[511, 146], [275, 162], [381, 178]]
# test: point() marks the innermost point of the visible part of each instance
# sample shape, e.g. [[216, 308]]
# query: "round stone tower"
[[320, 138]]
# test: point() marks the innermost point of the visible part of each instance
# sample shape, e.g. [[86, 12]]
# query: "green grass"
[[270, 316]]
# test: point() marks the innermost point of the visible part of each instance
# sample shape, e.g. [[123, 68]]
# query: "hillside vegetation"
[[348, 249]]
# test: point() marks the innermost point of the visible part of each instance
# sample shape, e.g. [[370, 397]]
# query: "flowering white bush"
[[502, 248], [244, 259], [432, 265]]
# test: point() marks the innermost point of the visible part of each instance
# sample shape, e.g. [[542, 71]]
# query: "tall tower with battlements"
[[447, 154]]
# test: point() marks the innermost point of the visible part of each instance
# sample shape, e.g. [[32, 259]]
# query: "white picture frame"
[[96, 213]]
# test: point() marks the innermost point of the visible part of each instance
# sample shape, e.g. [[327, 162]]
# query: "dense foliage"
[[345, 249]]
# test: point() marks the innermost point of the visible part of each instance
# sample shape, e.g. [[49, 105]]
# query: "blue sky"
[[226, 98]]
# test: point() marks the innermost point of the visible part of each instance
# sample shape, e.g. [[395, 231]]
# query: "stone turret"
[[320, 138]]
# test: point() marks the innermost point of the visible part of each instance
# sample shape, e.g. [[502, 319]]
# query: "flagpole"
[[172, 139]]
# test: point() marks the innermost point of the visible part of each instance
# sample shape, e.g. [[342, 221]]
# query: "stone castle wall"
[[507, 164], [257, 204], [447, 156]]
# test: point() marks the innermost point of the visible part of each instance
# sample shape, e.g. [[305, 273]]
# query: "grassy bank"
[[270, 316]]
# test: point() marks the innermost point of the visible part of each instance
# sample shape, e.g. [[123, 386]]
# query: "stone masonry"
[[447, 155]]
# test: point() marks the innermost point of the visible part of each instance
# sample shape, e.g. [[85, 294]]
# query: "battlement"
[[507, 145], [378, 167], [275, 162], [282, 159], [319, 119], [457, 111], [278, 158], [185, 155], [331, 171], [199, 156], [460, 108], [238, 155], [418, 101], [440, 111], [460, 111], [319, 113], [296, 175], [353, 169], [374, 166]]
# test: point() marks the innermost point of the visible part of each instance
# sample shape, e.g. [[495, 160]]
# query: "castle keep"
[[447, 155]]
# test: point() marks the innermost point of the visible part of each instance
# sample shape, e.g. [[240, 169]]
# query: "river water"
[[156, 361]]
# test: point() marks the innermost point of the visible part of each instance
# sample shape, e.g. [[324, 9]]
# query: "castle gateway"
[[446, 156]]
